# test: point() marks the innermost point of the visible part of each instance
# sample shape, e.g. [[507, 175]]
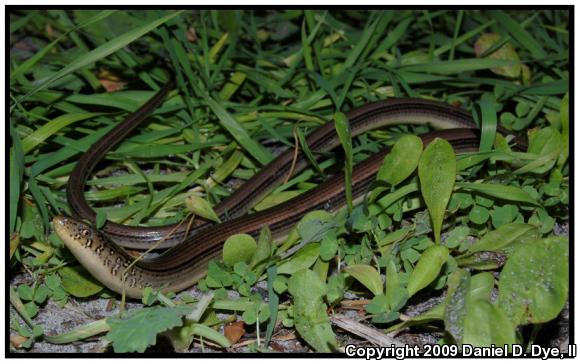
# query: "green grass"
[[246, 81]]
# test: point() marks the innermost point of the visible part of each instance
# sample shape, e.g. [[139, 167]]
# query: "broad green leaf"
[[533, 285], [479, 214], [239, 248], [366, 275], [305, 227], [139, 330], [310, 317], [395, 290], [503, 192], [486, 325], [200, 207], [328, 246], [314, 229], [335, 288], [427, 268], [481, 286], [401, 161], [455, 303], [437, 169], [547, 144], [304, 258], [505, 235], [78, 282], [102, 52]]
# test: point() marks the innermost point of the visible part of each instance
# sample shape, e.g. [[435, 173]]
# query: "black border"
[[10, 8]]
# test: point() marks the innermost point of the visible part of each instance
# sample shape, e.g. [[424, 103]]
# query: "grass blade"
[[519, 33], [50, 128], [101, 52], [16, 172], [238, 132]]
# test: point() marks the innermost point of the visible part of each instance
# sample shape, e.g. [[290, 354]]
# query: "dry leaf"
[[17, 340], [234, 331]]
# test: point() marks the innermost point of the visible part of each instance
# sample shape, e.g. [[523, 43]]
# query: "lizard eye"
[[85, 232]]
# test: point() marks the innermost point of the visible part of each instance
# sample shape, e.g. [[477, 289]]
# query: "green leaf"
[[481, 286], [547, 144], [501, 215], [273, 301], [395, 289], [314, 229], [502, 192], [427, 268], [519, 33], [328, 246], [50, 128], [456, 236], [506, 52], [366, 275], [79, 333], [342, 127], [499, 239], [78, 282], [276, 199], [16, 173], [478, 214], [239, 248], [102, 52], [488, 122], [100, 219], [335, 288], [437, 169], [304, 258], [533, 285], [181, 337], [264, 247], [400, 163], [29, 63], [25, 292], [239, 133], [434, 314], [310, 317], [140, 328], [395, 236], [455, 303], [458, 66], [565, 121], [200, 207], [486, 325]]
